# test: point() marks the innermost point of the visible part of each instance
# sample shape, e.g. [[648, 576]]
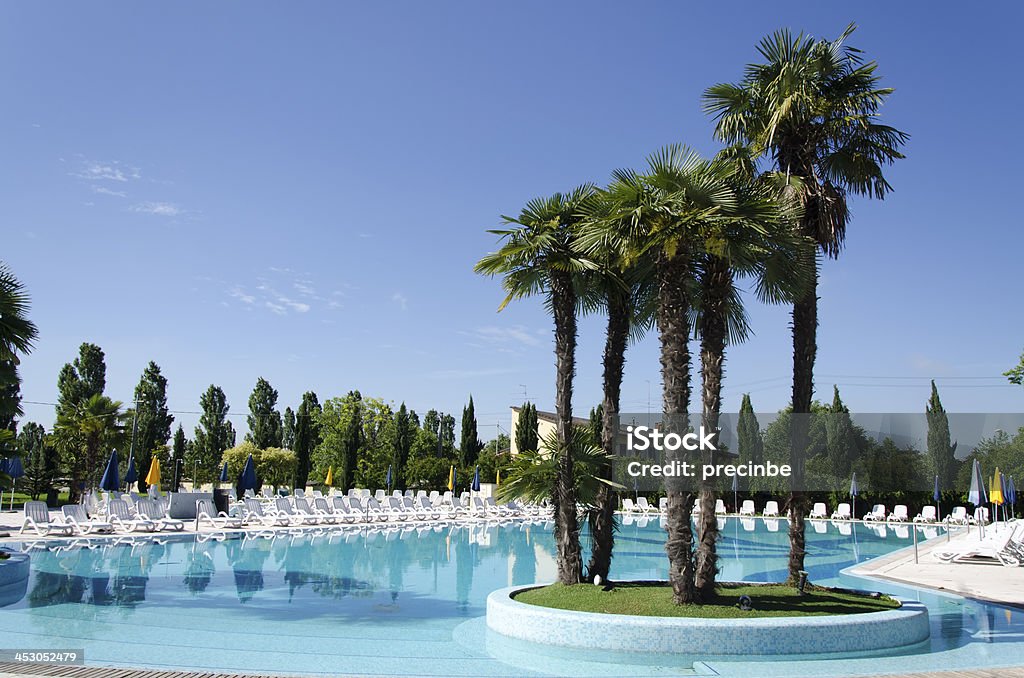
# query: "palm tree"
[[17, 335], [752, 238], [657, 214], [538, 257], [813, 107], [83, 433], [625, 291]]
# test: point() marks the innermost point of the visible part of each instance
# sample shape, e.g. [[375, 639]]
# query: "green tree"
[[288, 429], [265, 429], [81, 379], [340, 423], [526, 428], [1015, 375], [469, 443], [812, 106], [212, 436], [151, 420], [749, 444], [307, 436], [539, 256], [494, 457], [840, 441], [277, 466], [402, 445], [180, 448], [84, 434], [941, 452], [42, 464], [446, 436], [17, 335]]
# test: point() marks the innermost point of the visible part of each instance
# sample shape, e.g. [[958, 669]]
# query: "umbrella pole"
[[14, 481]]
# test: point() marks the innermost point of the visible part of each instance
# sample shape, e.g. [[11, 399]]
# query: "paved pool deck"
[[990, 582]]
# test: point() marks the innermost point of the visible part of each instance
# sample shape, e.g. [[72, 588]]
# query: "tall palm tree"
[[17, 335], [624, 289], [538, 257], [812, 106], [753, 239], [657, 215]]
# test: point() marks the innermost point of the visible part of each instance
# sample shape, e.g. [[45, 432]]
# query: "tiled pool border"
[[872, 631]]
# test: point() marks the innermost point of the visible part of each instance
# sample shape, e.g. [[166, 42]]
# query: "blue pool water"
[[411, 602]]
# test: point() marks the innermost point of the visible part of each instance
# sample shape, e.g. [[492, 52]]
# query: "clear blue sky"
[[300, 192]]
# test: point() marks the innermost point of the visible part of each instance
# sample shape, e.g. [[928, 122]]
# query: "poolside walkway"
[[988, 582]]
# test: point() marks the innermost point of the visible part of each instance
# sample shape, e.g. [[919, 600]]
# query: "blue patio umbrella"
[[1002, 487], [247, 481], [224, 473], [854, 490], [15, 471], [935, 496], [1011, 489], [736, 493], [110, 481], [387, 478], [476, 480], [131, 475]]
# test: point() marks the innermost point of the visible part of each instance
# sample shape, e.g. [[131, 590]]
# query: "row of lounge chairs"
[[148, 515], [878, 512], [1003, 546]]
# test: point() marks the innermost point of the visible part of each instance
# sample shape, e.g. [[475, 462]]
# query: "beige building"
[[545, 426]]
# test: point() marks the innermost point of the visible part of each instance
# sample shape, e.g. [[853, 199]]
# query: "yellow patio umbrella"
[[451, 479], [330, 476], [995, 489], [153, 477], [497, 478]]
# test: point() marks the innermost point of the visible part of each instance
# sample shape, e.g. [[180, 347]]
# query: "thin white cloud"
[[401, 300], [163, 209], [240, 294], [516, 335], [103, 190], [107, 171]]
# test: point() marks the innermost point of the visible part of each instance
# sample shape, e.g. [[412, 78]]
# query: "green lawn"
[[655, 600]]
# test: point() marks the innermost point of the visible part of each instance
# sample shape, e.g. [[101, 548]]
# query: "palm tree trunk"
[[567, 537], [805, 348], [713, 329], [674, 330], [602, 520]]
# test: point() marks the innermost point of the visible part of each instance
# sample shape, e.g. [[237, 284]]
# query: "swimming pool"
[[411, 602]]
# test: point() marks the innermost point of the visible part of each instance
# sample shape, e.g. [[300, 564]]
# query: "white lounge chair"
[[284, 508], [996, 547], [771, 509], [643, 506], [663, 505], [153, 510], [899, 514], [842, 512], [38, 518], [81, 523], [720, 507], [819, 512], [628, 506], [302, 506], [980, 515], [120, 516], [254, 513], [206, 512], [747, 507], [877, 513], [958, 516], [927, 515]]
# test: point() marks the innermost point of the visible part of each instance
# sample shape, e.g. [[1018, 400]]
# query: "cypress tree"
[[469, 445], [151, 421], [526, 428], [402, 445], [40, 459], [353, 439], [749, 444], [288, 431], [941, 452], [213, 435], [307, 435], [839, 439]]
